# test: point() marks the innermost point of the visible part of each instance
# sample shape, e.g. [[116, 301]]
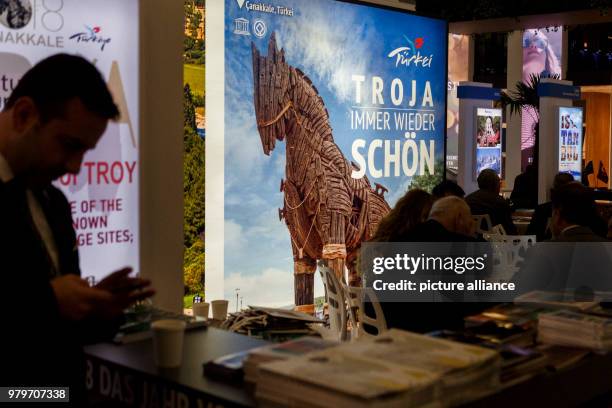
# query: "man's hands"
[[125, 291], [107, 299]]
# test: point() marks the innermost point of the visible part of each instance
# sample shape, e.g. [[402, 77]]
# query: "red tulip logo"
[[96, 30], [418, 43]]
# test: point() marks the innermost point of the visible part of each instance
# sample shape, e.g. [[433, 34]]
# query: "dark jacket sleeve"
[[506, 215], [538, 223], [59, 214]]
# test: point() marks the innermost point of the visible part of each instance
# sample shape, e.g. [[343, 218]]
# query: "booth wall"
[[597, 135], [161, 188]]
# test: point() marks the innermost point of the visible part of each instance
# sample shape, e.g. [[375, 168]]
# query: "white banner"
[[104, 195]]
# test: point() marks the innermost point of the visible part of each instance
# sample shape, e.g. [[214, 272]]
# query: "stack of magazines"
[[395, 369], [569, 328], [282, 351]]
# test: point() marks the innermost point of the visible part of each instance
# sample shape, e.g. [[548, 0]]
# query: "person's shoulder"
[[473, 196], [582, 234], [499, 200]]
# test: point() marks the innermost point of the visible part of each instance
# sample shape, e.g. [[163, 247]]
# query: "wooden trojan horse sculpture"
[[328, 212]]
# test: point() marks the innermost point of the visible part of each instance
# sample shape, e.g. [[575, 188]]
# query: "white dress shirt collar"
[[6, 174]]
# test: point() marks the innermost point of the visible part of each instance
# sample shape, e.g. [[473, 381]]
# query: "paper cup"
[[219, 309], [168, 338], [201, 309]]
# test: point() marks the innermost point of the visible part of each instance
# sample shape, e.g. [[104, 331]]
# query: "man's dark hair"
[[56, 80], [574, 202], [488, 180], [446, 188], [562, 179]]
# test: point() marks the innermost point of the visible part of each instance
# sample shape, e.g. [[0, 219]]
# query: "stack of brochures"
[[395, 369], [556, 300], [282, 351], [569, 328]]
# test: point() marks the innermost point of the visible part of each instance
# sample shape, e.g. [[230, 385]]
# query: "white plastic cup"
[[168, 338], [219, 309], [201, 309]]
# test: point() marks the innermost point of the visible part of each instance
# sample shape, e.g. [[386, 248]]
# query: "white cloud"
[[235, 240], [272, 287], [243, 149], [330, 47]]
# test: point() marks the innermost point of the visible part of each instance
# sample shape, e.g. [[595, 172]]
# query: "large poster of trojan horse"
[[332, 111], [328, 212]]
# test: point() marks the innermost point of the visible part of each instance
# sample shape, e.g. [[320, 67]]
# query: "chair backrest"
[[336, 302], [378, 321], [354, 300], [498, 229], [356, 297], [483, 223]]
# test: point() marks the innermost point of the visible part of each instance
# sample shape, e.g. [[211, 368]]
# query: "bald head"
[[454, 214]]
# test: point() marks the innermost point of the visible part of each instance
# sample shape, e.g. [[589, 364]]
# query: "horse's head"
[[270, 83]]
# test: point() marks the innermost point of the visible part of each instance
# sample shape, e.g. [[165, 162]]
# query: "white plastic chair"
[[346, 305], [508, 252], [336, 302], [378, 322], [480, 220]]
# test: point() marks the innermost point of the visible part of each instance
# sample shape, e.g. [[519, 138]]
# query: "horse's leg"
[[303, 281], [303, 275], [334, 248]]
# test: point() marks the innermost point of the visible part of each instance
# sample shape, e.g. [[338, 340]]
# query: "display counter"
[[125, 375]]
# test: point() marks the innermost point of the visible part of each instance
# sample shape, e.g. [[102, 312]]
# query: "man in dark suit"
[[576, 257], [539, 225], [58, 111], [486, 200], [572, 211], [540, 221], [525, 192]]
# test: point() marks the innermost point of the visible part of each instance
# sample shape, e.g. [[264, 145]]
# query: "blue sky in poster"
[[330, 41]]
